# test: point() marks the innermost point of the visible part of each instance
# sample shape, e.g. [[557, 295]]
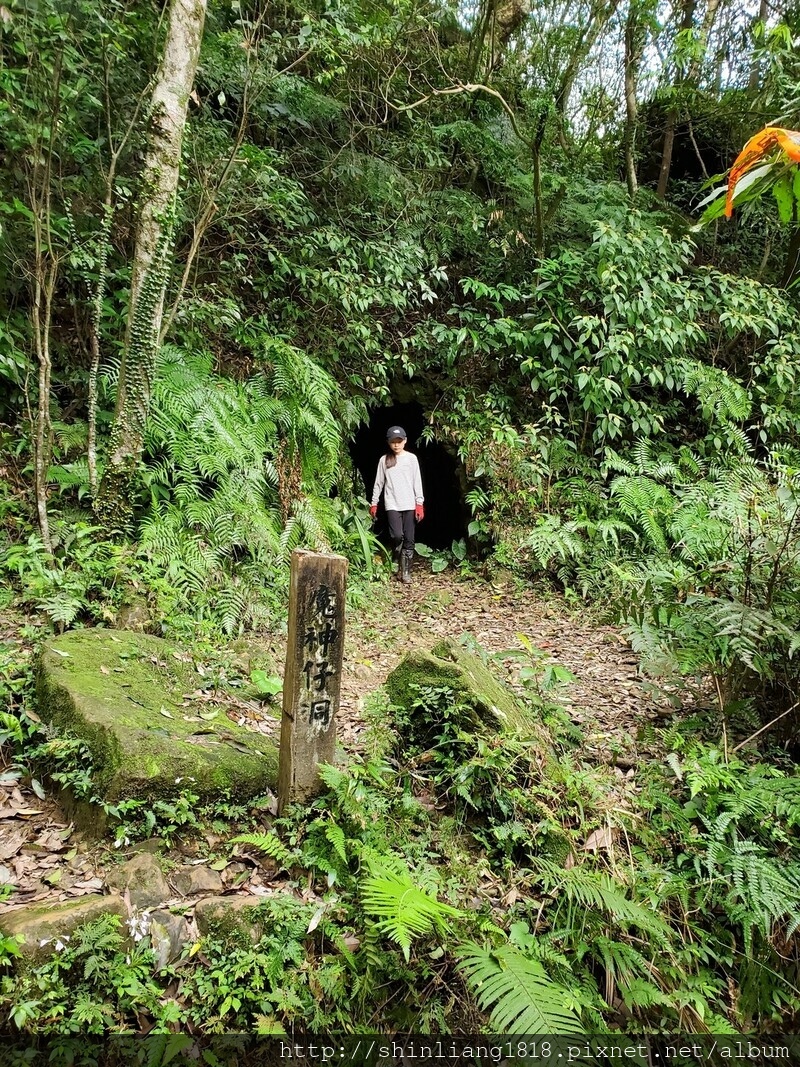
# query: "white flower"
[[139, 926]]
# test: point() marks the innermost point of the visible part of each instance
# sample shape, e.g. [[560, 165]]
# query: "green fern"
[[336, 836], [553, 539], [269, 844], [639, 993], [760, 891], [221, 506], [404, 910], [517, 991], [646, 503], [598, 891], [10, 729], [722, 399]]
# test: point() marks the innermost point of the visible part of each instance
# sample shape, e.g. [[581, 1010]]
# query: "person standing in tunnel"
[[399, 479]]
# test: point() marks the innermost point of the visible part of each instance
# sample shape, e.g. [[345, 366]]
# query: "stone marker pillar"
[[313, 673]]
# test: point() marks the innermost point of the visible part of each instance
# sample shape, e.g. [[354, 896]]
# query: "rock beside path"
[[142, 879], [152, 730], [196, 881], [168, 935], [50, 923], [449, 665], [228, 914]]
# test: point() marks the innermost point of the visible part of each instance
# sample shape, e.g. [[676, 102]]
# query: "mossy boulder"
[[129, 697], [41, 925], [229, 917], [450, 665], [142, 879]]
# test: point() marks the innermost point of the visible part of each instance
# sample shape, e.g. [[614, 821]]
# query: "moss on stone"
[[230, 918], [47, 922], [127, 695], [553, 843], [450, 665]]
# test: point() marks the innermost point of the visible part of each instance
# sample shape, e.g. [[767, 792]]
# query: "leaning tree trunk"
[[692, 80], [633, 55], [150, 268]]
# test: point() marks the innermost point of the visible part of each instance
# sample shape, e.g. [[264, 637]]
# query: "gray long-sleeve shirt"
[[401, 484]]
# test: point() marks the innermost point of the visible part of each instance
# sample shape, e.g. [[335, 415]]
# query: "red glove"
[[373, 510], [419, 512]]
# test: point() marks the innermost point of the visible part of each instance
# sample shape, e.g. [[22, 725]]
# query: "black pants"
[[401, 530]]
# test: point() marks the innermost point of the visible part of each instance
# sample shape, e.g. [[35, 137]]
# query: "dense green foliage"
[[491, 209], [674, 915]]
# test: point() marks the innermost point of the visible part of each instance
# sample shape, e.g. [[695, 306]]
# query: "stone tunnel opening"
[[443, 476]]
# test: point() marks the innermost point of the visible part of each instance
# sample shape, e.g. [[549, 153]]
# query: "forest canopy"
[[228, 234]]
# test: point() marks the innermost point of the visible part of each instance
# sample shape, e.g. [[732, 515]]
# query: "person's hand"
[[419, 512], [373, 510]]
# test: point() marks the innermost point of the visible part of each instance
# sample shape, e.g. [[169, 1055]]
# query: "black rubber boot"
[[405, 566], [397, 559]]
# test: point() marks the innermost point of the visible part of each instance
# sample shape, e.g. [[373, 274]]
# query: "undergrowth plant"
[[19, 731], [85, 580], [236, 475], [732, 826], [95, 982], [684, 917], [700, 561], [376, 839]]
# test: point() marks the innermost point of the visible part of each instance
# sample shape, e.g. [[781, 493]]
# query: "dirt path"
[[607, 698], [45, 859]]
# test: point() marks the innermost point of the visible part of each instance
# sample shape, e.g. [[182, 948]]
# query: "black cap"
[[394, 432]]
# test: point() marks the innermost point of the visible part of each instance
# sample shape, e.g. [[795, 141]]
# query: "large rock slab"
[[449, 665], [37, 923], [127, 695]]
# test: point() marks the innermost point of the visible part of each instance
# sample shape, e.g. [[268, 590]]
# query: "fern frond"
[[721, 398], [335, 835], [404, 910], [518, 992], [601, 892], [552, 539], [269, 844]]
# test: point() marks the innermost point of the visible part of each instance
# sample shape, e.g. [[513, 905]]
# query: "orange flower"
[[755, 150]]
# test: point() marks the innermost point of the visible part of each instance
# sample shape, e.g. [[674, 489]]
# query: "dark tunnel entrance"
[[446, 514]]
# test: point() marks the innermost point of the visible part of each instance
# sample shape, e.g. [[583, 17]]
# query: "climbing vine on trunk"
[[150, 268]]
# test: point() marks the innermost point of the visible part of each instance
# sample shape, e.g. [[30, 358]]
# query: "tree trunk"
[[666, 155], [633, 54], [687, 21], [150, 268], [98, 288], [599, 17], [754, 79], [46, 268], [94, 336], [44, 288]]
